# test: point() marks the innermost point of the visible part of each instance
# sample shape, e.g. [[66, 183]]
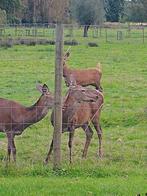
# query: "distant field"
[[122, 171]]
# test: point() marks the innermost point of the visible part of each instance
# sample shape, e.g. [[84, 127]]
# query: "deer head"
[[47, 97], [80, 93], [66, 56]]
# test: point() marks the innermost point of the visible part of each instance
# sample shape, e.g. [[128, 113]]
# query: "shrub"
[[51, 42], [71, 43], [6, 43], [22, 41], [92, 44], [31, 43]]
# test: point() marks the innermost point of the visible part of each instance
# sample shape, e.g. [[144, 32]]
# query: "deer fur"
[[83, 77], [15, 118], [78, 114]]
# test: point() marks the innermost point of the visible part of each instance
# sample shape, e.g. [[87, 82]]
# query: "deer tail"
[[98, 67]]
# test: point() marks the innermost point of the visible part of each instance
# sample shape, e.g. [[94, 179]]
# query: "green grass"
[[72, 186], [122, 171]]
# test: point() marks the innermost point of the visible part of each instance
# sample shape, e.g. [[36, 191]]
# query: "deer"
[[83, 77], [15, 118], [78, 113]]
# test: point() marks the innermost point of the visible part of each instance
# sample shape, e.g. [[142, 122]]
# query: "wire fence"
[[73, 34], [23, 67]]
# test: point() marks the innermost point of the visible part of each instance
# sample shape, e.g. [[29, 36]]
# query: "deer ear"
[[39, 87], [42, 89], [72, 80], [45, 89], [66, 55]]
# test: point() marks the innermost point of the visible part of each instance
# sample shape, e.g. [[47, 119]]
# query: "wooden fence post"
[[106, 34], [58, 98], [143, 35]]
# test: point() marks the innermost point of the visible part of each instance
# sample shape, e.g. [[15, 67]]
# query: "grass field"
[[122, 171]]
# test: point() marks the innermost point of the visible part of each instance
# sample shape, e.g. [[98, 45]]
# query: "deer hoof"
[[100, 155], [83, 156], [45, 162]]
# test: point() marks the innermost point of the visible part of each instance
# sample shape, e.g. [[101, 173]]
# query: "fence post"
[[143, 34], [100, 31], [58, 98], [119, 35], [106, 34]]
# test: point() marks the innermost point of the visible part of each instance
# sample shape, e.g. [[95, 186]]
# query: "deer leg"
[[9, 147], [99, 133], [89, 134], [8, 151], [98, 87], [49, 152], [13, 149], [71, 136]]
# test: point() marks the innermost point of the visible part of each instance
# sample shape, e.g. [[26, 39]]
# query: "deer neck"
[[69, 102], [66, 70], [100, 100], [31, 115], [38, 111]]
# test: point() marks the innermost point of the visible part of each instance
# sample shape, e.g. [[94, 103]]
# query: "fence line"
[[39, 32]]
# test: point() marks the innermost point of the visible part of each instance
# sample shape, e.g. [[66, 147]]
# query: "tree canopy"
[[3, 16], [11, 7], [136, 10], [87, 12], [84, 12], [114, 10]]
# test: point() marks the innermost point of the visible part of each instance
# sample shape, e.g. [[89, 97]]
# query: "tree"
[[136, 10], [11, 7], [144, 2], [43, 11], [114, 10], [87, 12], [3, 16], [32, 11]]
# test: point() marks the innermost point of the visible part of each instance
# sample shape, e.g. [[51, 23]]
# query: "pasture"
[[123, 169]]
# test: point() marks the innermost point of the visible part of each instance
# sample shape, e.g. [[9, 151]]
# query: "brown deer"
[[83, 77], [15, 118], [79, 114]]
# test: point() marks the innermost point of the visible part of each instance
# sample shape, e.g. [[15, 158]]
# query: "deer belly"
[[83, 117]]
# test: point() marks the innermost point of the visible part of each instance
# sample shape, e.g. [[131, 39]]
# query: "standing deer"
[[83, 77], [78, 112], [15, 118]]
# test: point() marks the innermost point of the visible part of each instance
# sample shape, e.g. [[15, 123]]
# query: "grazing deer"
[[78, 112], [15, 118], [83, 77]]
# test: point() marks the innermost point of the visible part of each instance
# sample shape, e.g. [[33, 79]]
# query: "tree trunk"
[[86, 27]]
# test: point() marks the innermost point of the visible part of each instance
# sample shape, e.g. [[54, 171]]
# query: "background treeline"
[[81, 11]]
